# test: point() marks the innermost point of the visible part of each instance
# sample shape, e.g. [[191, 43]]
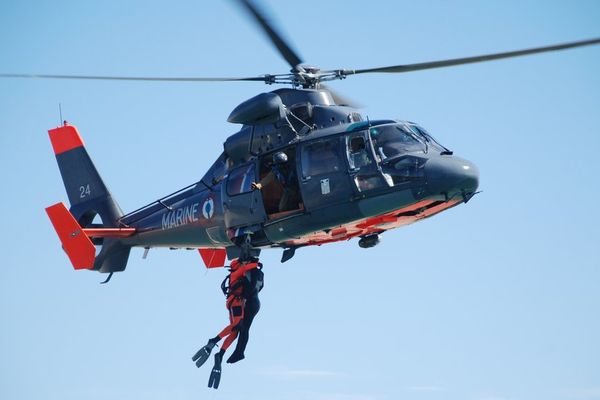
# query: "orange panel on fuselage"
[[377, 224]]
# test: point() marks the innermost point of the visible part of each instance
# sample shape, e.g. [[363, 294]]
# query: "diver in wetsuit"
[[235, 285], [253, 283]]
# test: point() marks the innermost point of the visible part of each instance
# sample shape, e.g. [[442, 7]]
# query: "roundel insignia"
[[208, 208]]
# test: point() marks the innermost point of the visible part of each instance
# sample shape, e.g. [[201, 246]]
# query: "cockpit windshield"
[[430, 141], [393, 140]]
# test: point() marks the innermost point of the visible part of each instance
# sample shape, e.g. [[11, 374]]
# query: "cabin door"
[[324, 180], [242, 205]]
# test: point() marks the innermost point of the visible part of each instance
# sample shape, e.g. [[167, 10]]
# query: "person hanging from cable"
[[235, 285], [253, 283]]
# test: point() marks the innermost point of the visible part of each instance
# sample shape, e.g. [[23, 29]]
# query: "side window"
[[217, 172], [360, 158], [321, 157], [240, 180], [358, 152]]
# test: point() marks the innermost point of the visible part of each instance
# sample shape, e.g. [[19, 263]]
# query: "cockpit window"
[[321, 157], [430, 140], [358, 155], [363, 168], [390, 141]]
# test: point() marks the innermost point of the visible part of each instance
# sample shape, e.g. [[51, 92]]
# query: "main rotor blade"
[[138, 78], [286, 51], [469, 60]]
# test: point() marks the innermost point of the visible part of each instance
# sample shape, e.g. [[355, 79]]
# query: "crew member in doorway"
[[358, 153], [284, 174], [233, 288]]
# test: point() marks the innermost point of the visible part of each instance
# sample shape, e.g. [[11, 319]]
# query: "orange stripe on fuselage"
[[377, 224], [65, 138]]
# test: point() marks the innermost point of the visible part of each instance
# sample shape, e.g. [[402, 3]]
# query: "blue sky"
[[494, 300]]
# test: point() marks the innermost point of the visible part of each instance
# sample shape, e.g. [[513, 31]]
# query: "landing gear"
[[243, 249], [288, 254], [369, 241]]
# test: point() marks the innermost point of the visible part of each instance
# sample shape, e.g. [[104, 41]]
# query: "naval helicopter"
[[344, 176]]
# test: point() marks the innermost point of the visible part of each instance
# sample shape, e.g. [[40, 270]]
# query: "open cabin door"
[[279, 184], [242, 205]]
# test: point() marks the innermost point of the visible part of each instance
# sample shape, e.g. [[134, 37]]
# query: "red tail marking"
[[77, 245], [109, 232], [213, 258], [65, 138]]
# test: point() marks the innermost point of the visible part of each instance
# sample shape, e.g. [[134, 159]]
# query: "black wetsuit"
[[253, 283]]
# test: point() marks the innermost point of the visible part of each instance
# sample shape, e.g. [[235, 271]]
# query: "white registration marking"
[[84, 191], [325, 189]]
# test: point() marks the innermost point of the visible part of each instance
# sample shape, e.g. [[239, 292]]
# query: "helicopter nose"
[[451, 175]]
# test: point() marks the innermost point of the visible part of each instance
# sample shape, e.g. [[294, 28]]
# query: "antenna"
[[60, 113]]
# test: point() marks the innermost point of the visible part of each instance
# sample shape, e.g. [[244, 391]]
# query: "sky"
[[493, 300]]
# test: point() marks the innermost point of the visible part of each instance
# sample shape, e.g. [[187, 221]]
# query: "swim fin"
[[235, 357], [215, 374], [202, 355]]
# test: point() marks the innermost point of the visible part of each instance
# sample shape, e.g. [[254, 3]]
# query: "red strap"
[[238, 273]]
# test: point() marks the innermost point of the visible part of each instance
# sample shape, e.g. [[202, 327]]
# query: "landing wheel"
[[369, 241]]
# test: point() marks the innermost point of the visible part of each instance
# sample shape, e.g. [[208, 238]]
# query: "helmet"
[[280, 158], [357, 144]]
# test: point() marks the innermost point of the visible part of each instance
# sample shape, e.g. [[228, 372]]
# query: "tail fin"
[[88, 196]]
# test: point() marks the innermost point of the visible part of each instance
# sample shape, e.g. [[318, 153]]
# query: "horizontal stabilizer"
[[109, 232], [213, 258], [77, 245]]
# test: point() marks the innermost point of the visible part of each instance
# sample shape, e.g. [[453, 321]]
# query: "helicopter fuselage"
[[345, 177]]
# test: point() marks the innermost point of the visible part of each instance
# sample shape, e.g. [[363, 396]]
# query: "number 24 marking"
[[84, 191]]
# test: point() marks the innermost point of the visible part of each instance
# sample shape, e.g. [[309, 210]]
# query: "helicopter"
[[354, 177]]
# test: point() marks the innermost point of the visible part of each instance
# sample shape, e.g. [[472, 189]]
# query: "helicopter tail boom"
[[89, 197]]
